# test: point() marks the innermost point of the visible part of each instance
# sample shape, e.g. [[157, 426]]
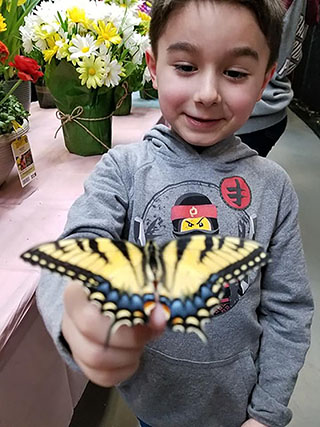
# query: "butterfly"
[[188, 276]]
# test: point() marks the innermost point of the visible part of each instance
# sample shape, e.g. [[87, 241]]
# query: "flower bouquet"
[[12, 14], [12, 113], [89, 47]]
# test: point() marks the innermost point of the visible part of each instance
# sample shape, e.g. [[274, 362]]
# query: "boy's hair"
[[269, 15]]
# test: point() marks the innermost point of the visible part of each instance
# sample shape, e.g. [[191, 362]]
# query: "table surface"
[[37, 213]]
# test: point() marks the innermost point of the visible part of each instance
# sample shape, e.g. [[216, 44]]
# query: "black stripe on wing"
[[37, 257]]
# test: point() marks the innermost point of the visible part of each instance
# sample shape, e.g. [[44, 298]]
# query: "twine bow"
[[76, 113]]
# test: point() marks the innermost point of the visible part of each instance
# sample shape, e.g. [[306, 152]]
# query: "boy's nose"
[[207, 92]]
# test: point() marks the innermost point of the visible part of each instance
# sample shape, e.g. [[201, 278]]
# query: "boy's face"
[[210, 70]]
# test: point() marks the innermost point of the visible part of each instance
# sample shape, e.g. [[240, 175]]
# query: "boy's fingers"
[[109, 378], [85, 315], [97, 356], [95, 326]]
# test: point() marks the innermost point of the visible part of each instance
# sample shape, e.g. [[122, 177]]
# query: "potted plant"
[[12, 14], [44, 97], [89, 48], [13, 116]]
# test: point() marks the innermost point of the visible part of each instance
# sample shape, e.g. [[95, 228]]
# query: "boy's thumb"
[[158, 319]]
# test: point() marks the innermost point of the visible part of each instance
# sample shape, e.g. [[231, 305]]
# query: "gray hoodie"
[[272, 107], [151, 190]]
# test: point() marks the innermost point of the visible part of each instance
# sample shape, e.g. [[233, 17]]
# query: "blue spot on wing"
[[178, 309], [136, 303], [113, 296], [190, 308], [124, 302], [104, 288]]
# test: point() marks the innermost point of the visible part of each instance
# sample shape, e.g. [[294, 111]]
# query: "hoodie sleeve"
[[285, 314], [99, 212]]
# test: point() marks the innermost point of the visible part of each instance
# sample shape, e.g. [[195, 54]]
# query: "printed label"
[[24, 160]]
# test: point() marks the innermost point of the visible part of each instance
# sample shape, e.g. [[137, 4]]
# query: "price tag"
[[24, 160]]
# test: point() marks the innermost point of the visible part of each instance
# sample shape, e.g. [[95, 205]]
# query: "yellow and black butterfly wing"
[[197, 269], [111, 270]]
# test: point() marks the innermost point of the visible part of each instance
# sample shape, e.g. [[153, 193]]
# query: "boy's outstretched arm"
[[99, 212], [86, 330]]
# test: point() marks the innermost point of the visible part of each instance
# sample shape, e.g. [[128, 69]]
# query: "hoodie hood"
[[168, 144]]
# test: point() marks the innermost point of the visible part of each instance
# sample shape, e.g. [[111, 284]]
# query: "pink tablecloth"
[[29, 216]]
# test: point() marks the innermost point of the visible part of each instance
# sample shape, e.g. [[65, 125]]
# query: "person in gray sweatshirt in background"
[[268, 120], [210, 61]]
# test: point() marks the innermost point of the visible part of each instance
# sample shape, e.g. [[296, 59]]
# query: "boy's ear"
[[267, 78], [152, 65]]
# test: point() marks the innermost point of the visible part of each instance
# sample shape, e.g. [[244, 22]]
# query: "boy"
[[210, 61]]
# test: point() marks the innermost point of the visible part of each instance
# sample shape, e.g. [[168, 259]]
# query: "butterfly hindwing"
[[197, 271]]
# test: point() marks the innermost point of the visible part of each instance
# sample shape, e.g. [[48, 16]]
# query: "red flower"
[[4, 53], [28, 68]]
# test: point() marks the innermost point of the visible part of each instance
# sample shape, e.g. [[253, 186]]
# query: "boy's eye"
[[185, 68], [236, 75]]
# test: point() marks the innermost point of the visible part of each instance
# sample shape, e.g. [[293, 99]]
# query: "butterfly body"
[[187, 276]]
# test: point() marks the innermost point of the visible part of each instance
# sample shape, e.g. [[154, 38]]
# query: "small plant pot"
[[22, 93], [6, 156], [44, 96], [148, 92], [126, 104]]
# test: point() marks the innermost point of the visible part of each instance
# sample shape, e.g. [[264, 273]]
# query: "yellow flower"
[[48, 54], [3, 25], [107, 34], [143, 16], [63, 49], [91, 72], [78, 16]]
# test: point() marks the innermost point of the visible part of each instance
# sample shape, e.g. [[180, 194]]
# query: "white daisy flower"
[[82, 46], [47, 14], [113, 71], [26, 36], [137, 46]]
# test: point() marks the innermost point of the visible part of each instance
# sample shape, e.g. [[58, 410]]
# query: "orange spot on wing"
[[166, 311], [138, 314], [177, 321], [148, 307]]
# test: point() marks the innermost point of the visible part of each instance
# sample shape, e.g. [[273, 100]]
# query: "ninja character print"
[[194, 213]]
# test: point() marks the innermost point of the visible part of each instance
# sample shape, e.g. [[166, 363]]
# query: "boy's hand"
[[86, 331], [253, 423]]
